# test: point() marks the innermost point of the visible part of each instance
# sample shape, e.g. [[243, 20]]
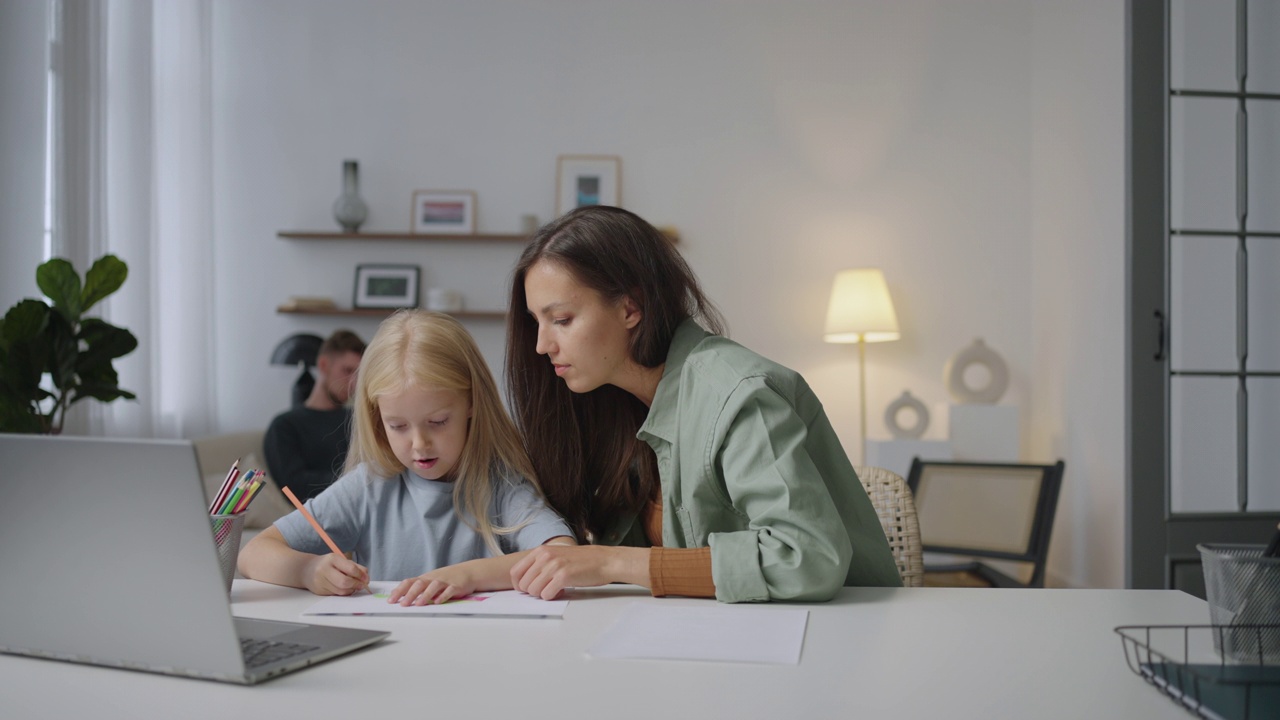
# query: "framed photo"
[[386, 286], [444, 212], [587, 180]]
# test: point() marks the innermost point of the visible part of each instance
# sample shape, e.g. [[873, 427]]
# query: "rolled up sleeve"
[[795, 546]]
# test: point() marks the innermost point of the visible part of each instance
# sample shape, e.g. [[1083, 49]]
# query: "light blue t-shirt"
[[403, 526]]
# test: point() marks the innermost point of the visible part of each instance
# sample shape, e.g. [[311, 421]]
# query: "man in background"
[[306, 446]]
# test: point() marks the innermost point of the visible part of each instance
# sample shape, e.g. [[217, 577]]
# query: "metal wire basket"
[[1243, 589], [227, 530], [1181, 662]]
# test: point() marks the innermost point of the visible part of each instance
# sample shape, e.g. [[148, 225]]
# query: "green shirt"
[[751, 467]]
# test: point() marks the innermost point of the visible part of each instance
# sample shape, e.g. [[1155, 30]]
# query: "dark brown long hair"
[[583, 445]]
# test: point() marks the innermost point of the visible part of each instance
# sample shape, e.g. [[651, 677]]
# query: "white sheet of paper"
[[505, 603], [661, 631]]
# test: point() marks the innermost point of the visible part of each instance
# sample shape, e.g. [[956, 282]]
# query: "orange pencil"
[[319, 530]]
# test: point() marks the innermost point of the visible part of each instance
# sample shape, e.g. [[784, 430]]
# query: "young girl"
[[438, 488]]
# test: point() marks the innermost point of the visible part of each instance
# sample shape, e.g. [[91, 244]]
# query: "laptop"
[[107, 557]]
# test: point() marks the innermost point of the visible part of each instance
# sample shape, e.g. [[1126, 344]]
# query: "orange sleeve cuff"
[[681, 571]]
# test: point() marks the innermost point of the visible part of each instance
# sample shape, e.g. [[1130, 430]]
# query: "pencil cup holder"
[[226, 534], [1243, 590]]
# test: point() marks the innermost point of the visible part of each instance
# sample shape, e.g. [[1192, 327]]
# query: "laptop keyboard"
[[262, 652]]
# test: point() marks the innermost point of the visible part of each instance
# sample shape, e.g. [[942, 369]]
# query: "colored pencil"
[[319, 530], [231, 498], [238, 489], [234, 497], [226, 488], [247, 497], [243, 487]]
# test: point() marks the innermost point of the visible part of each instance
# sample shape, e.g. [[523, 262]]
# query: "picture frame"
[[387, 287], [443, 212], [583, 180]]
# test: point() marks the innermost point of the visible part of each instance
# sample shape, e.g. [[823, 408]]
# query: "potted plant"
[[74, 351]]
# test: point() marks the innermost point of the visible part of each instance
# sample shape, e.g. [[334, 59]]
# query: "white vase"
[[349, 209]]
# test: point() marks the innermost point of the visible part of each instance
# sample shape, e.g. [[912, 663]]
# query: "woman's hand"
[[437, 586], [546, 571], [331, 574]]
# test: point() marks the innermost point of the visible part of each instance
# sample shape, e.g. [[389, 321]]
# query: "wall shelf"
[[383, 312], [671, 234], [321, 235], [379, 312]]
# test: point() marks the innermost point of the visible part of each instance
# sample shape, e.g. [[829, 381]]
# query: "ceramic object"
[[444, 300], [349, 209], [976, 354], [906, 401]]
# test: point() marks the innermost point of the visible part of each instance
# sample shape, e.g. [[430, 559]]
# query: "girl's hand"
[[331, 574], [546, 571], [437, 586]]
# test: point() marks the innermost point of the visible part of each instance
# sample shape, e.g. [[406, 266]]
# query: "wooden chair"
[[970, 512], [896, 509]]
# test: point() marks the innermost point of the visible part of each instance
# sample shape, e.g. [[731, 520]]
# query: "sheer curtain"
[[144, 145]]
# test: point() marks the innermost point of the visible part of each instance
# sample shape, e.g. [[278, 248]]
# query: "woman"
[[692, 465]]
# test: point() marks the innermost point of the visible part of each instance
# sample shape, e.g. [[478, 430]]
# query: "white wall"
[[784, 141], [972, 150], [1078, 274]]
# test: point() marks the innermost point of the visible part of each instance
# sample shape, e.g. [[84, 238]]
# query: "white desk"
[[871, 653]]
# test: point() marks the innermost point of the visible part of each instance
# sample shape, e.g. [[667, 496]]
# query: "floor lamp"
[[861, 312]]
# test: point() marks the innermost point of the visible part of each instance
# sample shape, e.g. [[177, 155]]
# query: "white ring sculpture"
[[976, 354], [906, 401]]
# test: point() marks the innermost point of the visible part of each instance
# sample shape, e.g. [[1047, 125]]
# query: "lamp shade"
[[300, 349], [860, 308]]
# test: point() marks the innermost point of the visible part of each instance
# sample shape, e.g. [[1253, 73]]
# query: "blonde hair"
[[432, 350]]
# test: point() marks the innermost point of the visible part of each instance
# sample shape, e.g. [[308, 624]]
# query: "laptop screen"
[[108, 556]]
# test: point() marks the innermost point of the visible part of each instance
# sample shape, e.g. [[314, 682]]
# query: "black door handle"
[[1159, 335]]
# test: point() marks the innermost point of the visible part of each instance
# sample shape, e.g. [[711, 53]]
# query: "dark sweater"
[[306, 449]]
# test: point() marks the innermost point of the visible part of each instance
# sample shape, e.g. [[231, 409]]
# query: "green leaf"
[[24, 321], [64, 351], [20, 377], [105, 393], [102, 385], [58, 280], [101, 392], [99, 373], [104, 342], [16, 418], [105, 277], [25, 348]]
